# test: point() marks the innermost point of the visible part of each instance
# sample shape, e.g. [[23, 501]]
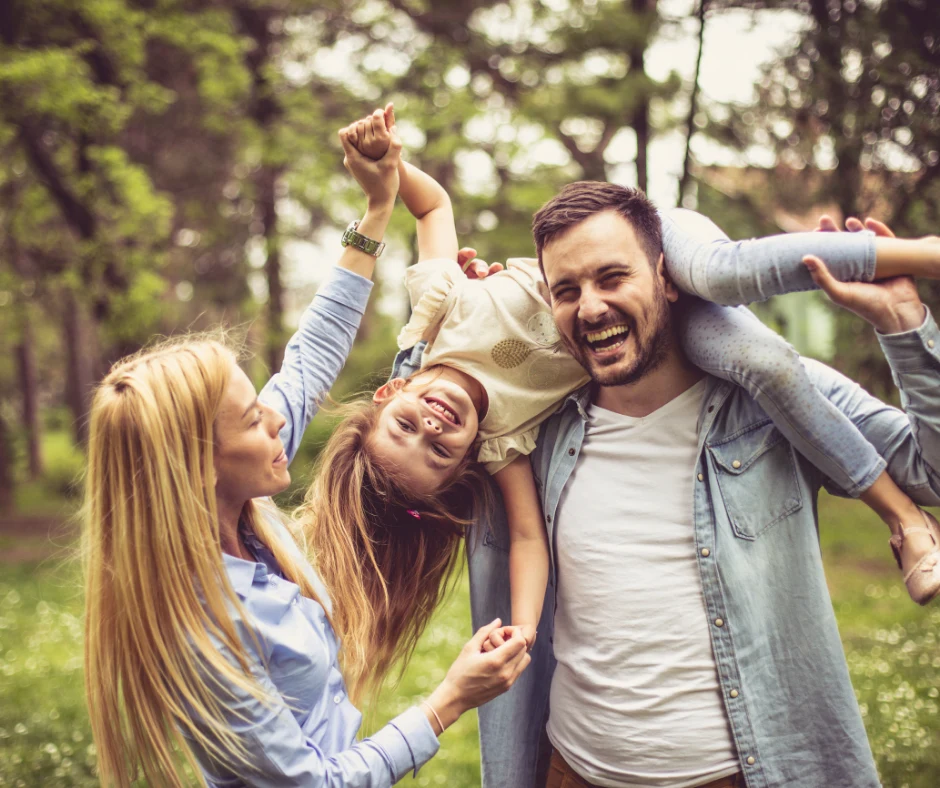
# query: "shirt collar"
[[580, 399], [242, 574]]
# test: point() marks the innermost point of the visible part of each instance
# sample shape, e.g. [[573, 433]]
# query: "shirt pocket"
[[757, 478]]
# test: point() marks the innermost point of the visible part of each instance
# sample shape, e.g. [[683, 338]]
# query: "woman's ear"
[[385, 392]]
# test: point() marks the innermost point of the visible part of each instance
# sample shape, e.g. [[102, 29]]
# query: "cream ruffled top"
[[500, 331]]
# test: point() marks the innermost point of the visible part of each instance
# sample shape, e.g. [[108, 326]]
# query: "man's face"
[[610, 303]]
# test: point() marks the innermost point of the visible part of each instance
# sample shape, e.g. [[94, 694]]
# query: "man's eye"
[[439, 451], [407, 426]]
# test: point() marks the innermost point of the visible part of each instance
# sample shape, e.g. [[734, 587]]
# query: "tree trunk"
[[267, 188], [81, 363], [641, 122], [6, 469], [693, 107], [29, 390]]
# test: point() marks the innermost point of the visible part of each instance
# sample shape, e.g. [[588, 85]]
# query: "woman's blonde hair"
[[391, 551], [158, 622]]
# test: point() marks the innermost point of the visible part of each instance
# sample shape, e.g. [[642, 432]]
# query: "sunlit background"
[[167, 165]]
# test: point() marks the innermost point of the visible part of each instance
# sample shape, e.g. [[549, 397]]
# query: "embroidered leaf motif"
[[510, 353]]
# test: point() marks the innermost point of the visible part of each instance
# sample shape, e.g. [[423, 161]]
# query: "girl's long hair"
[[386, 554], [158, 601]]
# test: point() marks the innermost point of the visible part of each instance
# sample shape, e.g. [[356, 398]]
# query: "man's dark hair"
[[582, 199]]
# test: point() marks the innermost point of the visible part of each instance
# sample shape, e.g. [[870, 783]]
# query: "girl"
[[493, 370], [207, 633]]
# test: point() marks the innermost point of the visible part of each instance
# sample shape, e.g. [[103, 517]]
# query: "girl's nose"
[[432, 424]]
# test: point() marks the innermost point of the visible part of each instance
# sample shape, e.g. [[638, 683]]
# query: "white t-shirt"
[[635, 699]]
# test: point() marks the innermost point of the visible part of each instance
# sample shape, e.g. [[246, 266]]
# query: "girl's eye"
[[439, 451], [405, 425], [257, 418]]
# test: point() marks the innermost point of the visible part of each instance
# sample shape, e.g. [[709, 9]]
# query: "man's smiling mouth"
[[606, 339], [444, 409]]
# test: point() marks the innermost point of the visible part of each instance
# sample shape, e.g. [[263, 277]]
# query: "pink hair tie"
[[414, 514]]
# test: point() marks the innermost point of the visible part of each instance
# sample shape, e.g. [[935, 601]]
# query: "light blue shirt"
[[782, 671], [307, 737]]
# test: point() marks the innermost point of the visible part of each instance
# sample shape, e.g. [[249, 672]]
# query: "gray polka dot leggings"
[[731, 343]]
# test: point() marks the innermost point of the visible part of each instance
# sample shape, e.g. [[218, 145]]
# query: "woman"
[[207, 632]]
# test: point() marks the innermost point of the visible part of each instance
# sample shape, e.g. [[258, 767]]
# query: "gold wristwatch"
[[362, 242]]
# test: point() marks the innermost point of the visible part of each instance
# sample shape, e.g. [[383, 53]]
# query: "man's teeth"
[[607, 333]]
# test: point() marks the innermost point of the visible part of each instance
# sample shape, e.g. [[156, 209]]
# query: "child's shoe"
[[923, 578]]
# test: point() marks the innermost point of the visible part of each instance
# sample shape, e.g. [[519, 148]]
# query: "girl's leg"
[[731, 343], [701, 260]]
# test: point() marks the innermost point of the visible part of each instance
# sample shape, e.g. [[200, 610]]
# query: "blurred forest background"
[[167, 165]]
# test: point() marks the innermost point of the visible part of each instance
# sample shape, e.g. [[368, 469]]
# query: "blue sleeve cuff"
[[347, 289], [408, 741], [914, 350]]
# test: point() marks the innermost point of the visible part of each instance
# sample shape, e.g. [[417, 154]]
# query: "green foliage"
[[890, 643]]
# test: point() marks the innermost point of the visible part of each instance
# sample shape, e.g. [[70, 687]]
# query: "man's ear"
[[385, 392], [671, 291]]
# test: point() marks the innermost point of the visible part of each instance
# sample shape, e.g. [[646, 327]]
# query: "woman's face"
[[250, 461]]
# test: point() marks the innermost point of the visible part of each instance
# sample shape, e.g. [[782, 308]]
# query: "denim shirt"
[[782, 670], [307, 737]]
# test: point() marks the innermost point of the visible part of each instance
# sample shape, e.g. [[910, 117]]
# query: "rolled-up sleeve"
[[908, 438], [276, 752], [316, 353]]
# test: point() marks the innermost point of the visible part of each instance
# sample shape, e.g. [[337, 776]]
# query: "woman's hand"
[[477, 676], [378, 178]]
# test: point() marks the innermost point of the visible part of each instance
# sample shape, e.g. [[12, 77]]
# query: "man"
[[688, 613]]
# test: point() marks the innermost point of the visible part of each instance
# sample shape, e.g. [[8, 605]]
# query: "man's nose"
[[591, 307]]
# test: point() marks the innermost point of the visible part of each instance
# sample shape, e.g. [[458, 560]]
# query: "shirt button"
[[930, 343], [736, 464], [706, 552], [701, 478], [750, 760], [294, 601], [337, 698], [734, 693], [548, 518], [571, 452], [719, 622]]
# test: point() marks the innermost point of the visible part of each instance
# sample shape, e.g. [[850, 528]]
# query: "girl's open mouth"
[[445, 410]]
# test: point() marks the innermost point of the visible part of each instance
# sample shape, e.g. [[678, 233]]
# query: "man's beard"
[[652, 348]]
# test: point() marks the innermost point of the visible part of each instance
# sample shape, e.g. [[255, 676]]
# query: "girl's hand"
[[473, 267], [373, 134], [501, 635], [378, 178], [477, 676]]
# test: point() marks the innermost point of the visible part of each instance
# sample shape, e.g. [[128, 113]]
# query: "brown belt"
[[561, 775]]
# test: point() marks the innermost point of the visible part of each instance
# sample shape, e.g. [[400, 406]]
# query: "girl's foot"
[[917, 550]]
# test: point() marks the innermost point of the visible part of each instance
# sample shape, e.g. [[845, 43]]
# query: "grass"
[[891, 646]]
